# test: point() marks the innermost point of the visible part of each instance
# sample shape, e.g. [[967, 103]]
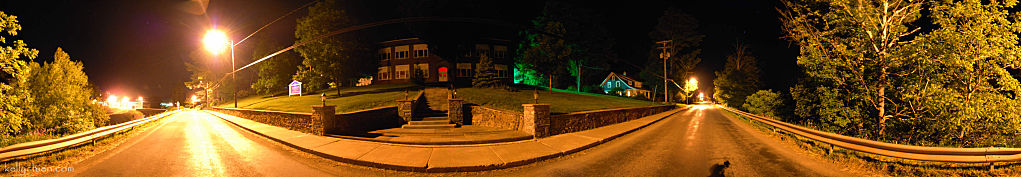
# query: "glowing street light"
[[215, 41]]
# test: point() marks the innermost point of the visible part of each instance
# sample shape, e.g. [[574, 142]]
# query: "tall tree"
[[14, 73], [202, 77], [275, 73], [545, 54], [333, 60], [63, 96], [485, 73], [853, 47], [565, 40], [739, 78], [685, 47], [961, 90]]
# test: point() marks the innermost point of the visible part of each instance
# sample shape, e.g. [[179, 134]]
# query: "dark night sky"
[[138, 47]]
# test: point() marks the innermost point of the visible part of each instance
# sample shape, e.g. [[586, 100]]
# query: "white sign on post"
[[294, 88]]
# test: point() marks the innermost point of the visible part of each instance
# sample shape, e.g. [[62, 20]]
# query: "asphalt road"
[[698, 142], [194, 143]]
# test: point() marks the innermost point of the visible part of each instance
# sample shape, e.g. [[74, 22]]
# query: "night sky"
[[138, 47]]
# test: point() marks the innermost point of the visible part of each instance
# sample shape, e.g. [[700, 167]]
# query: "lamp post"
[[214, 41]]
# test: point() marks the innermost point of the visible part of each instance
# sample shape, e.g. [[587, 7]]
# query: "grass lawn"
[[350, 99], [562, 101]]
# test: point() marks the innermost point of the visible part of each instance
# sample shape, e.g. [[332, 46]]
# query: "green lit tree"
[[14, 73], [545, 54], [562, 42]]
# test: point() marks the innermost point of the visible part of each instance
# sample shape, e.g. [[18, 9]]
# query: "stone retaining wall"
[[489, 117], [367, 120], [579, 121], [357, 121], [557, 124], [296, 121]]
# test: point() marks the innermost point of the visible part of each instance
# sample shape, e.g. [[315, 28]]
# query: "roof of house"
[[618, 76]]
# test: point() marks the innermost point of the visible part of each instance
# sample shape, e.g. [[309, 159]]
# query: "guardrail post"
[[992, 165], [830, 151]]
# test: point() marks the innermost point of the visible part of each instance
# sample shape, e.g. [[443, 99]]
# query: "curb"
[[483, 142], [465, 168]]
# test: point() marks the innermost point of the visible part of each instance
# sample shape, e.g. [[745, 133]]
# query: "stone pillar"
[[406, 109], [323, 119], [536, 120], [455, 111]]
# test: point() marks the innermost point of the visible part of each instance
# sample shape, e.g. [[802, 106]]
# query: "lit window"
[[464, 70], [501, 71], [384, 73], [402, 52], [481, 49], [402, 71], [422, 69], [443, 74], [384, 54], [421, 50], [499, 51]]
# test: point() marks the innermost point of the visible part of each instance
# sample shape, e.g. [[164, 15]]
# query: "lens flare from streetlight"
[[215, 41]]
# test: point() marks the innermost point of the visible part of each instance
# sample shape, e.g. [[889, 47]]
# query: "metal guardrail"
[[936, 154], [43, 146]]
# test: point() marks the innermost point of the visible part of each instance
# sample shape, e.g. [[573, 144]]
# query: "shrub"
[[764, 102]]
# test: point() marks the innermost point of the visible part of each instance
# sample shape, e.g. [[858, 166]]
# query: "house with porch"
[[622, 85]]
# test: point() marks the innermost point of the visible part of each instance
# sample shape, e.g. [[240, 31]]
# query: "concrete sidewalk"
[[444, 158]]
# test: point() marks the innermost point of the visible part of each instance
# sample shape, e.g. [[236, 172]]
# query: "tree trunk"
[[882, 102], [578, 79]]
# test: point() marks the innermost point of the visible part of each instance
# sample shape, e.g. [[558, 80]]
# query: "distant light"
[[215, 41], [111, 100]]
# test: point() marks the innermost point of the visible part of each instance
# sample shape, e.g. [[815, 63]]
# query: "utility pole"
[[665, 54]]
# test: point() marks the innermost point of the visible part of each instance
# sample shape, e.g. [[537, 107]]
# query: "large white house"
[[616, 84]]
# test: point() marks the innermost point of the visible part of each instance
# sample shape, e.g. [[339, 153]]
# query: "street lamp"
[[215, 42]]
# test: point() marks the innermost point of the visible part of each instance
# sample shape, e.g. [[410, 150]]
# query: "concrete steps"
[[436, 98], [435, 119], [430, 122], [440, 126]]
